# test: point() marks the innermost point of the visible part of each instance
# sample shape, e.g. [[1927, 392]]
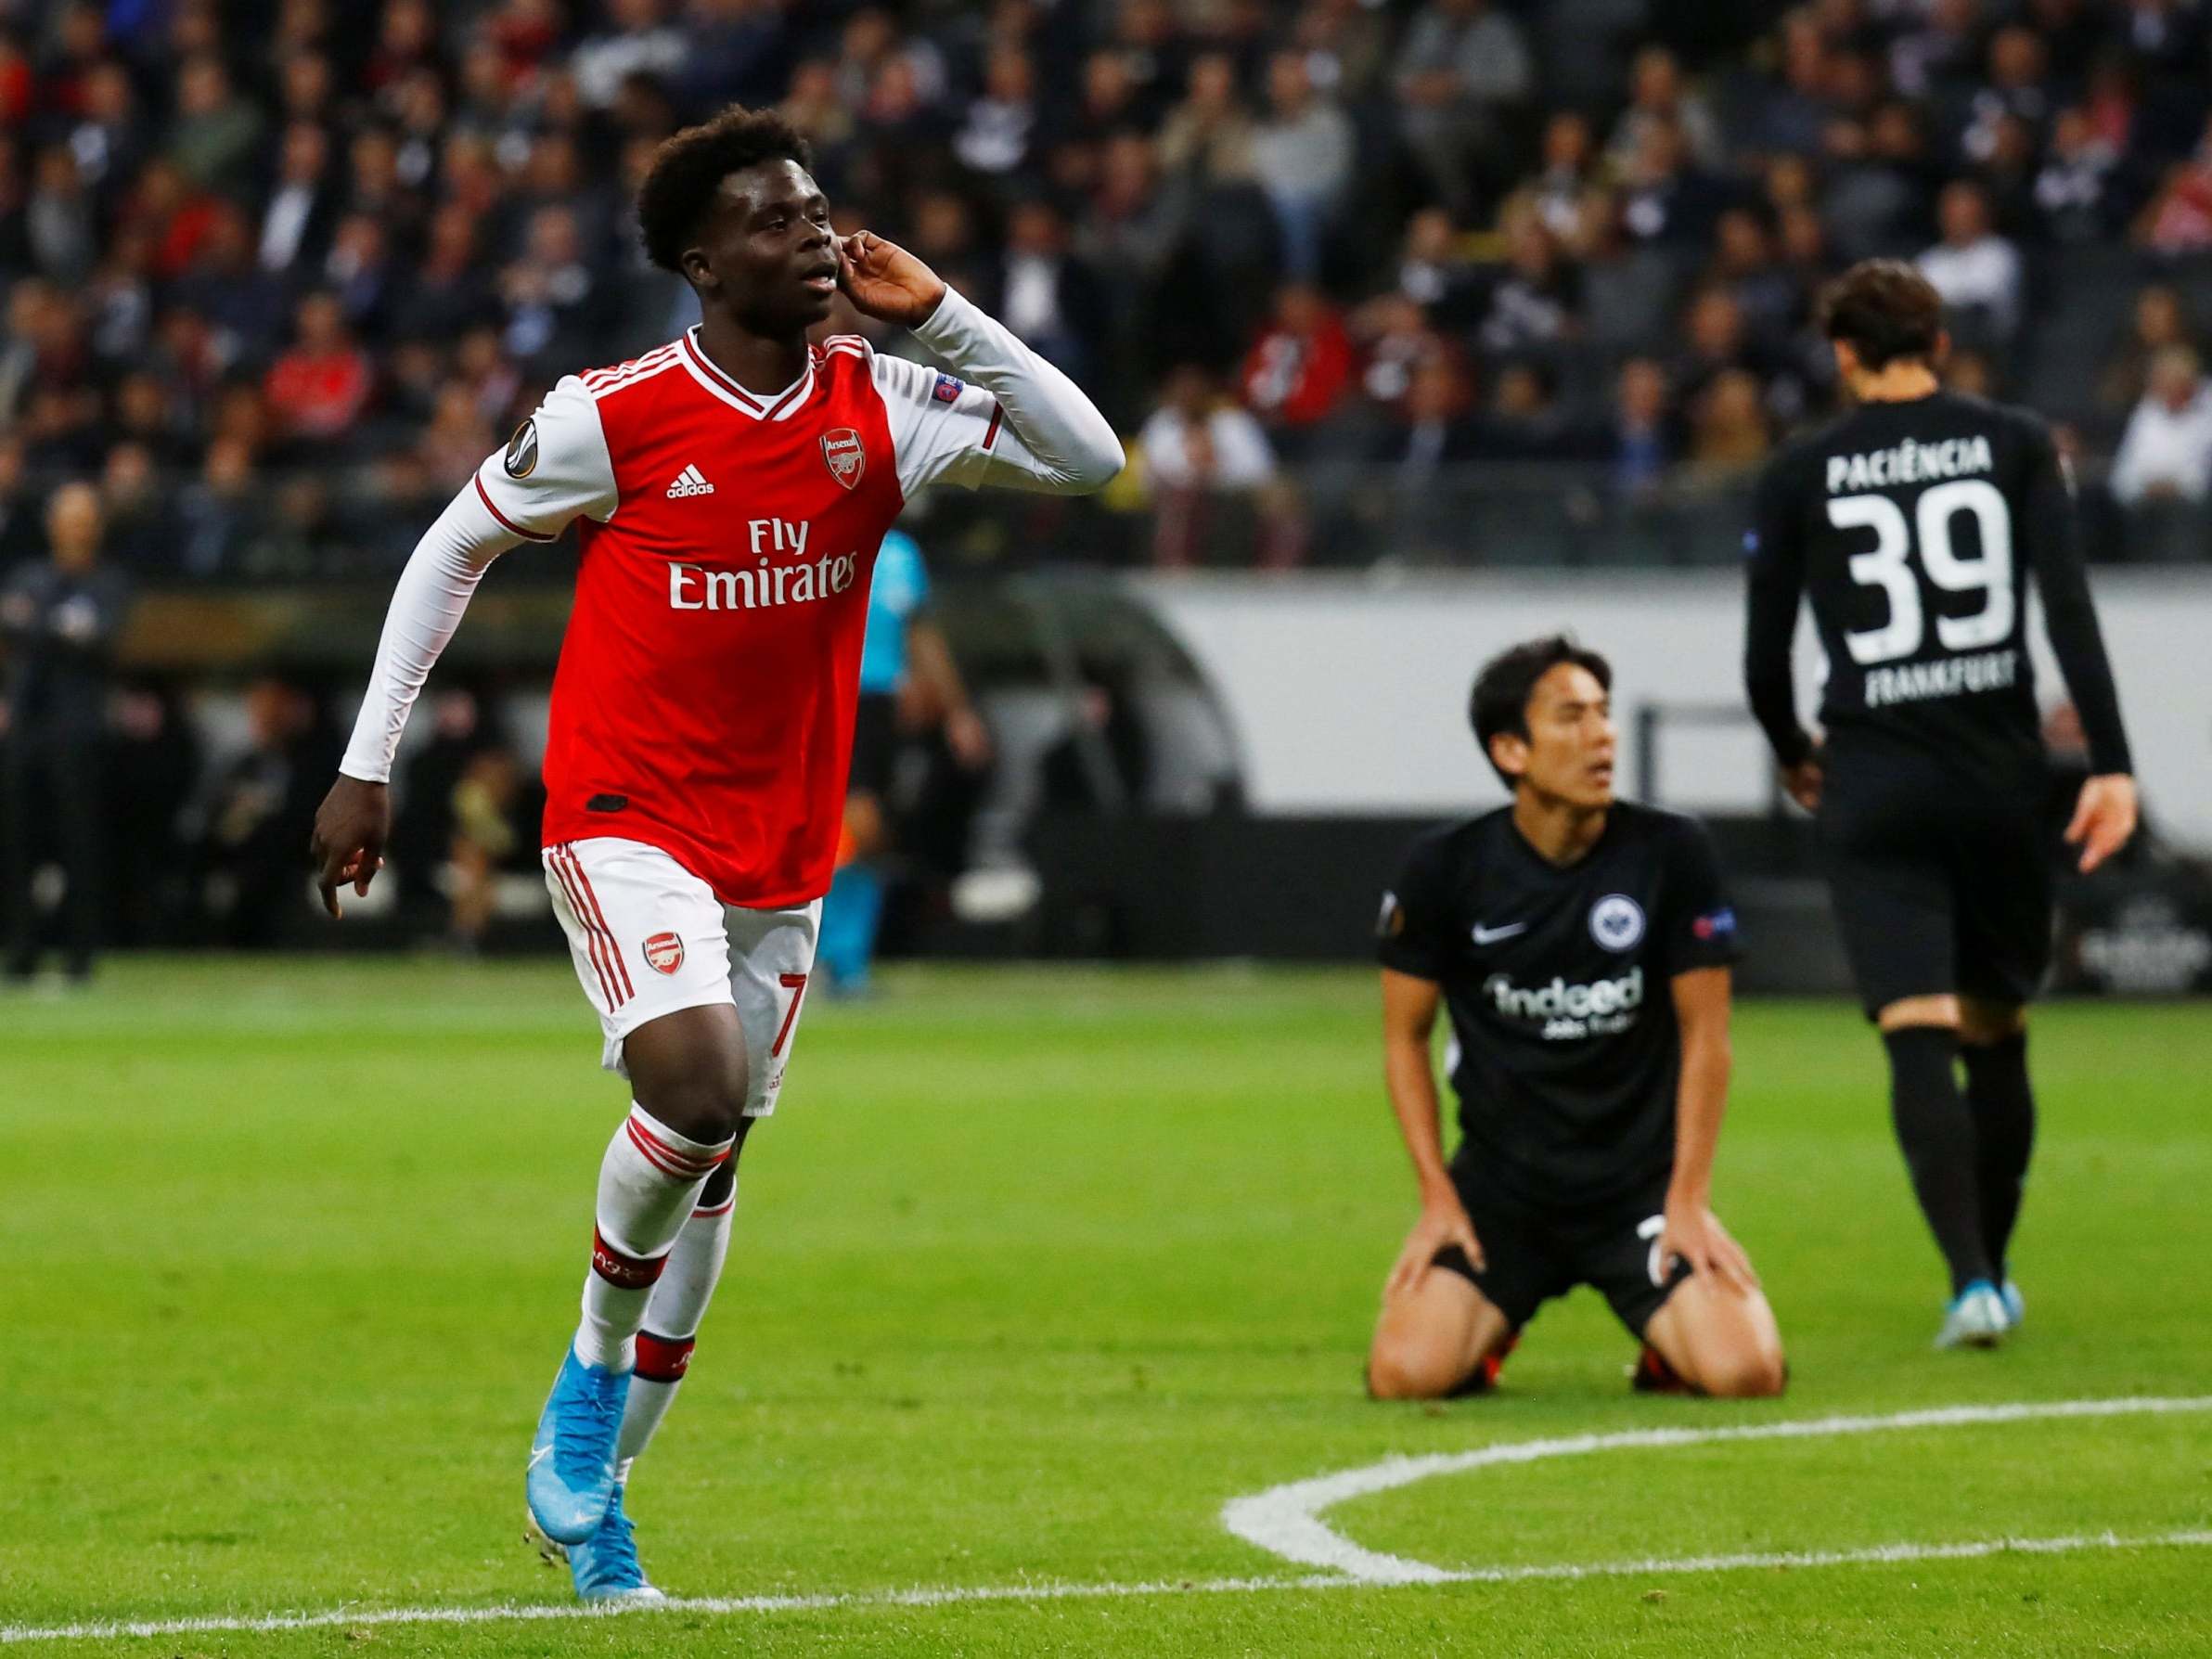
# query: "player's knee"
[[1410, 1368], [708, 1107], [1746, 1372]]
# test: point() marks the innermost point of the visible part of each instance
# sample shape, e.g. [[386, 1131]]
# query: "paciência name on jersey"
[[700, 587], [1604, 1008], [1909, 462], [1918, 682]]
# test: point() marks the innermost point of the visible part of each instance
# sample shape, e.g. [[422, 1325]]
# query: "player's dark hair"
[[1885, 310], [1499, 706], [689, 167]]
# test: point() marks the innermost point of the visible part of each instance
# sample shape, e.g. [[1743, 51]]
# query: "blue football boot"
[[2015, 1304], [605, 1565], [572, 1460], [1975, 1319]]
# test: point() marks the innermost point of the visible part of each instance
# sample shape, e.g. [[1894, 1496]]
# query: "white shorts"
[[648, 938]]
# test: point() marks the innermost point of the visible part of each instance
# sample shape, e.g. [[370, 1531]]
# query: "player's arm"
[[1022, 425], [555, 468], [2049, 534], [1408, 1072], [1693, 1231], [1775, 584], [946, 693]]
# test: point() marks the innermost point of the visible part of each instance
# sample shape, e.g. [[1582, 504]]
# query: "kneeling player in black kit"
[[1582, 946], [1914, 524]]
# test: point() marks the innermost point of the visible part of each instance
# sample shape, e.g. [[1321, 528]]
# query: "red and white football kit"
[[701, 719]]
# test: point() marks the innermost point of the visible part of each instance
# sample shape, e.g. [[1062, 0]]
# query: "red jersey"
[[705, 696]]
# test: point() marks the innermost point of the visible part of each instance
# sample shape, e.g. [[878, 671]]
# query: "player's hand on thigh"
[[1443, 1222], [1694, 1234]]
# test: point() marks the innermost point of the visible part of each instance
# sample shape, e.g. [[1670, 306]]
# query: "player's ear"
[[1942, 353], [1509, 753], [699, 270], [1846, 360]]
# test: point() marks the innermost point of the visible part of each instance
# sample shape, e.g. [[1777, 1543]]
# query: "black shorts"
[[1532, 1252], [875, 744], [1940, 886]]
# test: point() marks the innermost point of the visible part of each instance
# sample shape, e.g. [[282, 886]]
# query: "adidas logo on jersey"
[[690, 481]]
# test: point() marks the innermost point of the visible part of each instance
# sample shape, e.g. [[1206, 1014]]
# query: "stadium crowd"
[[278, 275]]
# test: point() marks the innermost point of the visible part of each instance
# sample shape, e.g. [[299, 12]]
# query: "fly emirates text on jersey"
[[696, 588]]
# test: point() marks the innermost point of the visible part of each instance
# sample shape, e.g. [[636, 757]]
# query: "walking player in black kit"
[[1914, 524], [1582, 946]]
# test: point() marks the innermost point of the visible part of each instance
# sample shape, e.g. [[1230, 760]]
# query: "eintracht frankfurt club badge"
[[664, 953], [847, 459]]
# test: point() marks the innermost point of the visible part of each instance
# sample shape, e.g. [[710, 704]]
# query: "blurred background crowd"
[[1365, 284], [1360, 277]]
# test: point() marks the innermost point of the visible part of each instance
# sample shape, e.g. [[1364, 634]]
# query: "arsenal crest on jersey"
[[842, 448]]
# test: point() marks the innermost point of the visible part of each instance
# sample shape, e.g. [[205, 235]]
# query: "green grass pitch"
[[1035, 1271]]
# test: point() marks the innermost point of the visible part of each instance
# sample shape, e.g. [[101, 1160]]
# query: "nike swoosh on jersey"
[[1484, 936], [538, 1454]]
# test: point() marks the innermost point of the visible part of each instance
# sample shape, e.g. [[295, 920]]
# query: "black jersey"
[[1565, 1053], [1913, 528]]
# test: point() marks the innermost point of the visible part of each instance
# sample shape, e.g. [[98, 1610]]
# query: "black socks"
[[1937, 1131], [2004, 1127]]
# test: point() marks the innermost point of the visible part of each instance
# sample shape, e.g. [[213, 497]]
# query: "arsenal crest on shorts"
[[841, 449], [664, 953]]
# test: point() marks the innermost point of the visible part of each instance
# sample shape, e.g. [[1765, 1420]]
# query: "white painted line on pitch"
[[1285, 1520], [1268, 1517], [539, 1613]]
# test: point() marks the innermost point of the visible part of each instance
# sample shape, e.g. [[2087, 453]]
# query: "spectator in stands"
[[1568, 171], [219, 515], [302, 208], [1641, 441], [1045, 293], [58, 218], [1463, 67], [1730, 434], [2157, 321], [318, 387], [1196, 446], [216, 131], [1298, 371], [2166, 453], [2075, 195], [1665, 200], [1302, 154], [1976, 271], [1000, 135], [1656, 96], [135, 509], [1434, 429], [1536, 303], [2178, 219], [1210, 135]]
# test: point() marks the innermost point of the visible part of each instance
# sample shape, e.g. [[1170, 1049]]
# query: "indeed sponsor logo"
[[1603, 1007]]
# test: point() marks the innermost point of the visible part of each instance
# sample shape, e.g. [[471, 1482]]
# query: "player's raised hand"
[[2104, 819], [884, 280], [348, 844], [1693, 1233], [1443, 1221]]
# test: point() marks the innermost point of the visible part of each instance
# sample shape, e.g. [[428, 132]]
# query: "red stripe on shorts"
[[591, 938], [613, 950]]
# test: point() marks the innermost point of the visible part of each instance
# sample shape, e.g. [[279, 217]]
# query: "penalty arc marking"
[[1285, 1521]]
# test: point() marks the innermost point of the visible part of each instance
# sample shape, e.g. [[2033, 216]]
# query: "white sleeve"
[[1023, 424], [433, 590], [554, 469]]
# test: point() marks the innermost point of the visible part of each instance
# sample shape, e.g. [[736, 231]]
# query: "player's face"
[[1568, 755], [766, 251]]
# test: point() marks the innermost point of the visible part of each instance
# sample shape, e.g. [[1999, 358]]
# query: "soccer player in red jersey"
[[730, 491]]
